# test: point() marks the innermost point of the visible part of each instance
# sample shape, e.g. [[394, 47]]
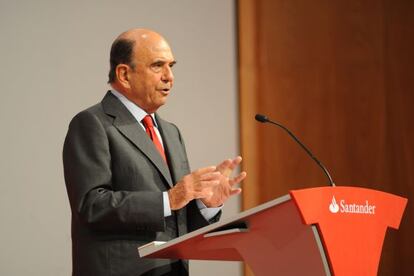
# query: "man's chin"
[[158, 105]]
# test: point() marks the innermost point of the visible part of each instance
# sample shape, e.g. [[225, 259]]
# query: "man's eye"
[[156, 67]]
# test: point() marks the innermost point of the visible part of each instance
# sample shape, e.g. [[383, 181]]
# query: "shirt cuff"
[[166, 201], [208, 213]]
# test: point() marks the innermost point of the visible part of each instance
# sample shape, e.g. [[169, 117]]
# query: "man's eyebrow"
[[157, 61]]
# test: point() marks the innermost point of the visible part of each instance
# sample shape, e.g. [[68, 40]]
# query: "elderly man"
[[126, 169]]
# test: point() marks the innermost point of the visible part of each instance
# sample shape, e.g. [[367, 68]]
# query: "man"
[[126, 169]]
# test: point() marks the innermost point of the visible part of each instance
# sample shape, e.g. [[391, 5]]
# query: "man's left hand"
[[226, 188]]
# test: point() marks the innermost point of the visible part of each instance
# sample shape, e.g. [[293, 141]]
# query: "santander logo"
[[352, 208], [333, 207]]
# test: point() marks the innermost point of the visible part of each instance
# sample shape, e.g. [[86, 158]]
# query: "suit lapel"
[[128, 126]]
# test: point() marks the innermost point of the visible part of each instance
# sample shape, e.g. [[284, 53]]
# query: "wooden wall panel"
[[339, 74]]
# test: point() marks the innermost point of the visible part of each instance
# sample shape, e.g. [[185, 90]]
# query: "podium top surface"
[[223, 225]]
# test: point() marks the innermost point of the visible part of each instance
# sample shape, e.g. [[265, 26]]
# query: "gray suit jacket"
[[115, 178]]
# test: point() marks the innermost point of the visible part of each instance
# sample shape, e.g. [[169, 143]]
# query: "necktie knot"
[[149, 129], [147, 121]]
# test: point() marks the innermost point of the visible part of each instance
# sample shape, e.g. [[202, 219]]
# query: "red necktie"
[[149, 128]]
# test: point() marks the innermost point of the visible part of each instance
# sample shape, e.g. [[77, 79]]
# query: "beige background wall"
[[54, 62]]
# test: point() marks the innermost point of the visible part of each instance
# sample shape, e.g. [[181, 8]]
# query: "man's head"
[[141, 62]]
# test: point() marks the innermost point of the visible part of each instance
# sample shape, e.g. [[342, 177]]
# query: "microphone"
[[263, 119]]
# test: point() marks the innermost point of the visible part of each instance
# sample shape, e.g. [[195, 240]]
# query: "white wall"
[[54, 63]]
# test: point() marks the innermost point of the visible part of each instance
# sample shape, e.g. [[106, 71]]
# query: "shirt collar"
[[134, 109]]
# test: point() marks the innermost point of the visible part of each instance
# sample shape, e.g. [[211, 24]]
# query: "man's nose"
[[167, 75]]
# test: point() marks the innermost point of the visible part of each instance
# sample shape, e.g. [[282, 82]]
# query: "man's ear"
[[122, 74]]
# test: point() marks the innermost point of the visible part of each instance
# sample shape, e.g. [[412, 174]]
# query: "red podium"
[[318, 231]]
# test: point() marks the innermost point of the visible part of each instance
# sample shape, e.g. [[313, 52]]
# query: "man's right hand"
[[198, 184]]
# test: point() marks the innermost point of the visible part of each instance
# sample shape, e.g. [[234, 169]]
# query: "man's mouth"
[[165, 91]]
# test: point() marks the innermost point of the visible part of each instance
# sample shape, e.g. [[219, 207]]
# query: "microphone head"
[[261, 118]]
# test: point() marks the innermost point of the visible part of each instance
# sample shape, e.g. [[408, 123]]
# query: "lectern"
[[317, 231]]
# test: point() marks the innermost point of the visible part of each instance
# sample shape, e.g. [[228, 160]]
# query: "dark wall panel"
[[339, 74]]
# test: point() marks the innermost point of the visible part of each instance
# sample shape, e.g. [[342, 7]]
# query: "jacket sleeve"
[[88, 177]]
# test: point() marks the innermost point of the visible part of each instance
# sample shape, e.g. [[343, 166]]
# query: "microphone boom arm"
[[264, 119]]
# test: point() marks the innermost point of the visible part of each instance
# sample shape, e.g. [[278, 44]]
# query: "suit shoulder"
[[166, 125], [174, 126], [94, 109], [90, 120], [93, 112]]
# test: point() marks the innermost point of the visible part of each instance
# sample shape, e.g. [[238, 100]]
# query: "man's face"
[[152, 79]]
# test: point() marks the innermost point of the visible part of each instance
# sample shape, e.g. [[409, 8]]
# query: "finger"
[[235, 191], [210, 176], [238, 179], [233, 164], [236, 161], [206, 185], [224, 165], [205, 170]]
